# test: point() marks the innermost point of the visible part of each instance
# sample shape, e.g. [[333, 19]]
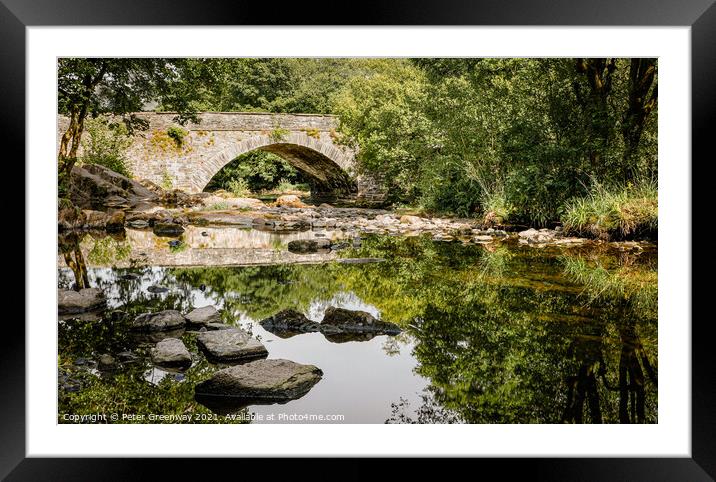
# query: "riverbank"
[[113, 202]]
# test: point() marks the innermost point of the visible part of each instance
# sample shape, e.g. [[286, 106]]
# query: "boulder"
[[350, 321], [97, 187], [290, 201], [171, 352], [289, 321], [203, 316], [230, 345], [84, 300], [160, 321], [106, 362], [263, 381], [305, 246]]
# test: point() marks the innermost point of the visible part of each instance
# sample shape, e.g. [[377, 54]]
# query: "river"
[[491, 333]]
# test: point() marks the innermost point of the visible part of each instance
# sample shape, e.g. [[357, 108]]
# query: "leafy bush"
[[239, 187], [106, 144]]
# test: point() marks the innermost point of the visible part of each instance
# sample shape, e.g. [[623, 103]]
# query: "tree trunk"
[[598, 73], [642, 101]]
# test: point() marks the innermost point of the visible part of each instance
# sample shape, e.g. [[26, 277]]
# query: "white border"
[[670, 437]]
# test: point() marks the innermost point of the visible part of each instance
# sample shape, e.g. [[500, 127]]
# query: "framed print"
[[422, 231]]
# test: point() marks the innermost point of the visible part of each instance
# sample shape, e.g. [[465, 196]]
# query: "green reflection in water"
[[503, 334]]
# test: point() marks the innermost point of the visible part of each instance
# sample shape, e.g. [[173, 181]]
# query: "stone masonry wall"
[[220, 137]]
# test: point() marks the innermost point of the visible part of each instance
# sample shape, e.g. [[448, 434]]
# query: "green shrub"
[[167, 181], [177, 134], [106, 144], [617, 212], [239, 187], [278, 134]]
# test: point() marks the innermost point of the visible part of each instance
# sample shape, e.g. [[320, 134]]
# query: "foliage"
[[106, 144], [177, 134], [278, 134], [262, 171], [511, 139], [619, 211], [106, 251], [518, 136], [89, 87], [500, 336], [167, 180], [239, 187], [627, 282]]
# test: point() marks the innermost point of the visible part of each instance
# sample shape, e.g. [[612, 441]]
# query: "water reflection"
[[505, 335]]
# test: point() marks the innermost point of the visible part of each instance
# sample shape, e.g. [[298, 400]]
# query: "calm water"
[[496, 334]]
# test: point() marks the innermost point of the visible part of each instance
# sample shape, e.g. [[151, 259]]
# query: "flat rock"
[[230, 345], [160, 321], [349, 321], [262, 380], [171, 352], [84, 300], [203, 316]]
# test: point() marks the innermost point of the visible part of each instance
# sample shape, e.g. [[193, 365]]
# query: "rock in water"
[[349, 321], [203, 316], [157, 289], [167, 229], [289, 320], [262, 380], [161, 321], [230, 345], [87, 299], [171, 352], [303, 246]]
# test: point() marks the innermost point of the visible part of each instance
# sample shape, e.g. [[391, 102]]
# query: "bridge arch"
[[326, 166]]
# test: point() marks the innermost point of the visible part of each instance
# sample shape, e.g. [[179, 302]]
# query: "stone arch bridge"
[[190, 156]]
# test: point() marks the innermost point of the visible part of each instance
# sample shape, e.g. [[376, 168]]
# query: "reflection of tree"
[[631, 376], [631, 379], [429, 411], [70, 247], [496, 334], [626, 300], [583, 386]]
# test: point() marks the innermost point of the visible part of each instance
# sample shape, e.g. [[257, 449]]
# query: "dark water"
[[498, 334]]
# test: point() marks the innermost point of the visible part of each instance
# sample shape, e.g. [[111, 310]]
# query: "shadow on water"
[[503, 334]]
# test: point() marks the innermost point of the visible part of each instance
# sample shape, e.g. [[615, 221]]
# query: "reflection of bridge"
[[191, 155], [224, 246]]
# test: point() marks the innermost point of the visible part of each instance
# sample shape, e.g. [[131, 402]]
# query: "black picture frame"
[[700, 15]]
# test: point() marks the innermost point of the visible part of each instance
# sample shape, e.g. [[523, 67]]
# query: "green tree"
[[88, 87]]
